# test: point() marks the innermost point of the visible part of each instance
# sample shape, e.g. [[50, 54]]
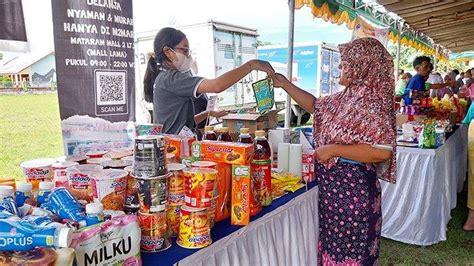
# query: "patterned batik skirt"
[[350, 216]]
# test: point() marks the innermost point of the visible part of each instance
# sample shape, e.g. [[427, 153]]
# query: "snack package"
[[113, 242], [264, 95], [240, 211], [224, 177], [223, 152], [178, 145], [148, 129]]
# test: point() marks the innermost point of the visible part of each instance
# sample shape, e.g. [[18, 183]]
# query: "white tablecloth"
[[416, 210], [286, 236]]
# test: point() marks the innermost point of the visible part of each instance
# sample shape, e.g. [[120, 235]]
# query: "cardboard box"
[[224, 180], [223, 152], [178, 145], [240, 210], [253, 121]]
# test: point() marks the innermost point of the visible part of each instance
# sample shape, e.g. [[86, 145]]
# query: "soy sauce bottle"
[[245, 136], [224, 136], [209, 133]]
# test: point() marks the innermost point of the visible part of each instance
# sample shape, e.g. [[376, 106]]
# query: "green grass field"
[[30, 128]]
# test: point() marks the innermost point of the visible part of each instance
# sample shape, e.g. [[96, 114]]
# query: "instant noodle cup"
[[212, 212], [170, 158], [199, 186], [38, 170], [60, 173], [131, 205], [176, 184], [99, 161], [96, 154], [109, 188], [154, 232], [194, 228], [173, 213], [129, 169], [116, 164], [153, 193], [204, 164], [80, 159], [80, 180]]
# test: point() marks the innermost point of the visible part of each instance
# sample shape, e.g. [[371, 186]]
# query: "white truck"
[[217, 48]]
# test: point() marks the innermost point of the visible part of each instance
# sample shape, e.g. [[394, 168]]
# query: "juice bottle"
[[261, 169], [245, 136], [24, 193], [45, 189], [224, 136], [209, 133]]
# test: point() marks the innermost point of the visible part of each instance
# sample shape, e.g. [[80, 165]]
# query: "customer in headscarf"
[[354, 131]]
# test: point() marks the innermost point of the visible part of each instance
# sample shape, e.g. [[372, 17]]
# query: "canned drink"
[[154, 232], [149, 157], [153, 193], [194, 228]]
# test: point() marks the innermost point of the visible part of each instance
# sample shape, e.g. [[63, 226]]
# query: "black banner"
[[94, 50]]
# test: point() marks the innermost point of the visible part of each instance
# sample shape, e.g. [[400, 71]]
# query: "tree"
[[408, 54]]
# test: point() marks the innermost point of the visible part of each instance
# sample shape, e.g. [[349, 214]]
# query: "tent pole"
[[291, 34]]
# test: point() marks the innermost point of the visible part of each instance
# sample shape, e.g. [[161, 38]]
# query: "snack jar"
[[199, 187], [194, 228]]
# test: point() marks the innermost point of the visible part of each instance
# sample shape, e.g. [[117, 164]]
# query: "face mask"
[[183, 63], [466, 80]]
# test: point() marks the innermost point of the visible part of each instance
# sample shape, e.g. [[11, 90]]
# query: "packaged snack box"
[[224, 179], [240, 211], [223, 152], [179, 146]]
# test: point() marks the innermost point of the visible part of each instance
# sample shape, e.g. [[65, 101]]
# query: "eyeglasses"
[[186, 51]]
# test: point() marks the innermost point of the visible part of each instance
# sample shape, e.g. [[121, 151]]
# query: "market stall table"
[[416, 210], [284, 233]]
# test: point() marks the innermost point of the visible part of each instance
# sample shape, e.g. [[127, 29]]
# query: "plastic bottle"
[[245, 136], [224, 136], [45, 189], [261, 169], [7, 202], [63, 204], [24, 193], [28, 235], [44, 221], [95, 213], [209, 133]]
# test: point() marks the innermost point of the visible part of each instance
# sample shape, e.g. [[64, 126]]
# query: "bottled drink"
[[224, 136], [261, 169], [209, 133], [44, 191], [24, 193], [94, 212], [7, 203], [29, 235], [245, 136]]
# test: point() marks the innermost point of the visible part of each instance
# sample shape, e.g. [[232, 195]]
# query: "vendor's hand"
[[262, 66], [324, 153], [218, 114], [279, 80]]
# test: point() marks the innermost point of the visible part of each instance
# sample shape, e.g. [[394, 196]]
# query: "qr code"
[[110, 87]]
